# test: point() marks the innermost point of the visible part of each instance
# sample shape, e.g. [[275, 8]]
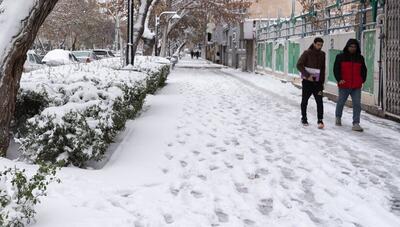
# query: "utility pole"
[[129, 47]]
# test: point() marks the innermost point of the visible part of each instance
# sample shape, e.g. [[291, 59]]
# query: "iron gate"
[[392, 79]]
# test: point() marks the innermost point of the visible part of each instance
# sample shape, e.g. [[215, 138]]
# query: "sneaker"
[[304, 122], [356, 127], [338, 121], [320, 124]]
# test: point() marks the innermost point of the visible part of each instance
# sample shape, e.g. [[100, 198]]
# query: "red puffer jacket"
[[351, 68]]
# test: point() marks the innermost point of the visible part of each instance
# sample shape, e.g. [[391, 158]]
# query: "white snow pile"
[[69, 114]]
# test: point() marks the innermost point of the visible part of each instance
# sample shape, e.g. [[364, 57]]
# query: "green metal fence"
[[294, 54], [369, 55], [268, 55], [332, 57], [259, 55], [280, 58]]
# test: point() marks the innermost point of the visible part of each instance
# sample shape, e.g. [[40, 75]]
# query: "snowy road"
[[218, 147]]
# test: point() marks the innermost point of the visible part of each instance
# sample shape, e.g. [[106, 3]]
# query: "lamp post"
[[129, 47], [157, 22]]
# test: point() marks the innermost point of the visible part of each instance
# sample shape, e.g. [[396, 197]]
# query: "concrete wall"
[[270, 8]]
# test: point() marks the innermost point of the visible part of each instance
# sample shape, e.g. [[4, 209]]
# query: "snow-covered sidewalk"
[[218, 147]]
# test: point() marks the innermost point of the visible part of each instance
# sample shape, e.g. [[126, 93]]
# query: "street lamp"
[[157, 22], [129, 46]]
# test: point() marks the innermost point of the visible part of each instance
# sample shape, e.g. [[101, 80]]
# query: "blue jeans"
[[356, 100]]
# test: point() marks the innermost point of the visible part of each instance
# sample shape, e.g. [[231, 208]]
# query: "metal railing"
[[344, 15]]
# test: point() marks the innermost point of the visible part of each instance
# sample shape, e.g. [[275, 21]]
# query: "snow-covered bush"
[[29, 103], [20, 193], [87, 106]]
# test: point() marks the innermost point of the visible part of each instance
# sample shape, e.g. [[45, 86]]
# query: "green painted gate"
[[369, 55], [280, 58], [268, 55], [259, 55], [294, 54], [332, 57]]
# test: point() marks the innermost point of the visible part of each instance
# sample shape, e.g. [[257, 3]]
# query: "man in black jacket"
[[313, 82], [350, 72]]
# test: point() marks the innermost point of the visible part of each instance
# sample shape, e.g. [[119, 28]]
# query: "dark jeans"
[[356, 100], [316, 89]]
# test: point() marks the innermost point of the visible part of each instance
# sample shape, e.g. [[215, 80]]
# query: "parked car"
[[85, 56], [33, 61], [103, 53], [59, 57]]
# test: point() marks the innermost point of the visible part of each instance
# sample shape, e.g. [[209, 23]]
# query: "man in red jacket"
[[350, 72]]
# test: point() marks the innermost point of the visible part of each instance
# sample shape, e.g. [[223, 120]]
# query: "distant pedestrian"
[[350, 72], [311, 65], [197, 54], [192, 54], [217, 58]]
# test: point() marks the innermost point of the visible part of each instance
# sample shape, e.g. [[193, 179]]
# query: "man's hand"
[[342, 82]]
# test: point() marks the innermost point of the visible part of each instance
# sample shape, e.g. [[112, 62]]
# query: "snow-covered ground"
[[218, 147]]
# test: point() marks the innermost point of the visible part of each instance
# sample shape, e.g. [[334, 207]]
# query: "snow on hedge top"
[[57, 57], [12, 12], [76, 87]]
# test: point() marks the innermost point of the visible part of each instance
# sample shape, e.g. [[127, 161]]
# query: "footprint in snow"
[[235, 142], [183, 163], [174, 191], [202, 177], [288, 173], [165, 171], [168, 218], [196, 152], [182, 142], [222, 217], [228, 165], [222, 149], [265, 206], [239, 156], [262, 171], [253, 176], [196, 194], [249, 222], [241, 188], [213, 167], [210, 144], [168, 156]]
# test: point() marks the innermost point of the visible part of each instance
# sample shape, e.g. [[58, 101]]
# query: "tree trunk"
[[164, 40], [11, 65], [148, 46], [138, 27]]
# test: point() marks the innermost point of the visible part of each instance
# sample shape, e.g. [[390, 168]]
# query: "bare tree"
[[117, 10], [14, 45], [228, 11], [73, 23]]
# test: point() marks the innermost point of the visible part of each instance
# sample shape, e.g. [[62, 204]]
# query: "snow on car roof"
[[57, 56]]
